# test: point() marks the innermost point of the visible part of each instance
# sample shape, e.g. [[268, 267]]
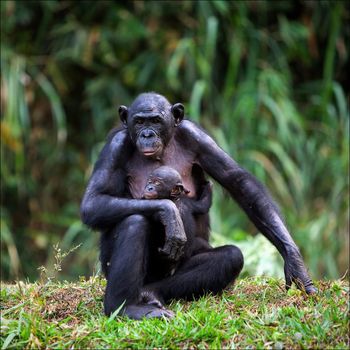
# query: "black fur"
[[133, 229]]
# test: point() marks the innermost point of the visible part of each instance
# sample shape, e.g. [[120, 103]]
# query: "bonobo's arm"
[[254, 200], [203, 203], [105, 204]]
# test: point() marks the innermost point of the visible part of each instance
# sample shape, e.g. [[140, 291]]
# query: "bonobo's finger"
[[168, 252], [164, 251], [177, 242], [298, 282], [172, 251], [306, 285], [300, 278], [178, 252], [296, 272], [175, 253], [288, 277], [311, 289], [178, 237]]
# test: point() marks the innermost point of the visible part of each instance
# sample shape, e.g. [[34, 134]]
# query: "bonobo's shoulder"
[[194, 133], [118, 146], [189, 129], [117, 138], [117, 134]]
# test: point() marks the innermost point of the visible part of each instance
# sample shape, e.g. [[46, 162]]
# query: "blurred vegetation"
[[266, 78]]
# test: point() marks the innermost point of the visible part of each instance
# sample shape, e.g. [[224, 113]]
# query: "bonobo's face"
[[151, 120], [164, 183]]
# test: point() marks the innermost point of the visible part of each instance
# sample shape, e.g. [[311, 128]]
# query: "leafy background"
[[267, 79]]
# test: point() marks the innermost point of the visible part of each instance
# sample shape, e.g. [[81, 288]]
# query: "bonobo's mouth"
[[149, 195], [149, 152], [149, 148]]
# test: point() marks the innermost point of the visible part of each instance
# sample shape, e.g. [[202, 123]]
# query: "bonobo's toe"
[[160, 313], [138, 312]]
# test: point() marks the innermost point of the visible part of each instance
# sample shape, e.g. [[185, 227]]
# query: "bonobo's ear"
[[123, 114], [178, 111], [178, 190]]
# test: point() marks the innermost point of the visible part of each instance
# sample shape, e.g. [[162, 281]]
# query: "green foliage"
[[256, 313], [267, 79]]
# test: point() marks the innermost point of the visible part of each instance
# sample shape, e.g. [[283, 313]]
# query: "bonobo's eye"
[[139, 121], [156, 120], [154, 182]]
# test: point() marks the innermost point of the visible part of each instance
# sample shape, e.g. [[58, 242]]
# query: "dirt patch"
[[66, 302]]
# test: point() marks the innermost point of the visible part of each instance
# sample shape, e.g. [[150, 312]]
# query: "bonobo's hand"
[[209, 185], [295, 271], [208, 189], [175, 237]]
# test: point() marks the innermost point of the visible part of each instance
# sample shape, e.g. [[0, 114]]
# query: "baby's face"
[[162, 188]]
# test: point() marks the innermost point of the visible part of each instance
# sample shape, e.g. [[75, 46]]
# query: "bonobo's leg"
[[127, 269], [209, 271], [106, 250], [200, 245], [126, 266]]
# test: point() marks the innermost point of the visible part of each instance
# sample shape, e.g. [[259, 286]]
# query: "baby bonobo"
[[166, 183]]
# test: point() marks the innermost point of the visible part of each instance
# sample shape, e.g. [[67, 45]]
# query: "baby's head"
[[164, 183]]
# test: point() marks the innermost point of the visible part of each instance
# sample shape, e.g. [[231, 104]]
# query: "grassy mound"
[[254, 313]]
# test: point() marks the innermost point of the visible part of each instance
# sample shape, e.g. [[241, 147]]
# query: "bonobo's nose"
[[148, 133], [150, 188]]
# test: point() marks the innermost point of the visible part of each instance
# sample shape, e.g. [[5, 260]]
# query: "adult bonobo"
[[155, 134]]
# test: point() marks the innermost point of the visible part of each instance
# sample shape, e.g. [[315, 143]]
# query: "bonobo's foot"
[[149, 306], [150, 297], [138, 312]]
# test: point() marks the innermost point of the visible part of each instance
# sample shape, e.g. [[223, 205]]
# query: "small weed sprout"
[[57, 266]]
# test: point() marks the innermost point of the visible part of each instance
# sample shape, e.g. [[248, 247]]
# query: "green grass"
[[254, 313]]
